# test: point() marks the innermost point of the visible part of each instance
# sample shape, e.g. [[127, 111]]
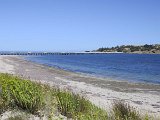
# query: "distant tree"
[[148, 47], [134, 48], [101, 49], [120, 49]]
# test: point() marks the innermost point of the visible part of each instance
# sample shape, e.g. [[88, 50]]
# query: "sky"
[[77, 25]]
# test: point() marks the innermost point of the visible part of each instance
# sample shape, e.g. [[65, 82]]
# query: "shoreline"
[[95, 76], [101, 81], [145, 97]]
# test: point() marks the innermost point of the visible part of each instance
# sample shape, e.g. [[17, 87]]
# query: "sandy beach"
[[100, 91]]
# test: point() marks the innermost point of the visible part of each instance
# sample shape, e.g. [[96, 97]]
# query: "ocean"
[[143, 68]]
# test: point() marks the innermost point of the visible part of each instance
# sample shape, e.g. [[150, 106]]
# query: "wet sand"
[[100, 91]]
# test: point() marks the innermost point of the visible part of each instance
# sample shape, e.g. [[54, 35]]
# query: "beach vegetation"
[[24, 94], [123, 111], [77, 107], [41, 100]]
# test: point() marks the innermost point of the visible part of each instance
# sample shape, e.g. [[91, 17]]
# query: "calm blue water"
[[130, 67]]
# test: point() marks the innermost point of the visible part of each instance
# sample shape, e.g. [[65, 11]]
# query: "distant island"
[[141, 49]]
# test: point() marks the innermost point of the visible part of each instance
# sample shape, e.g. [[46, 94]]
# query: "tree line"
[[130, 48]]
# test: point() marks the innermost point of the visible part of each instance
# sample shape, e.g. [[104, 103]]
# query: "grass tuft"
[[123, 111], [77, 107], [70, 104]]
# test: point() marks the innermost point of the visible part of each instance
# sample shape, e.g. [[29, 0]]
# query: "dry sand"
[[4, 67], [100, 91]]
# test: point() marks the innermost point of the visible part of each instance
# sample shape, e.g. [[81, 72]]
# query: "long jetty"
[[54, 53]]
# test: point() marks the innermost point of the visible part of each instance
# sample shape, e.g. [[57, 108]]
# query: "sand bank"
[[100, 91], [4, 66]]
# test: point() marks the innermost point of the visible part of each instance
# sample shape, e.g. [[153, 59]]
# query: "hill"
[[141, 49]]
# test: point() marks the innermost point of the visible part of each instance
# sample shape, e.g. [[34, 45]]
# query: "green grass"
[[39, 99], [24, 94], [77, 107]]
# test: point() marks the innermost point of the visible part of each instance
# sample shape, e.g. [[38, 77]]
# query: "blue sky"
[[77, 25]]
